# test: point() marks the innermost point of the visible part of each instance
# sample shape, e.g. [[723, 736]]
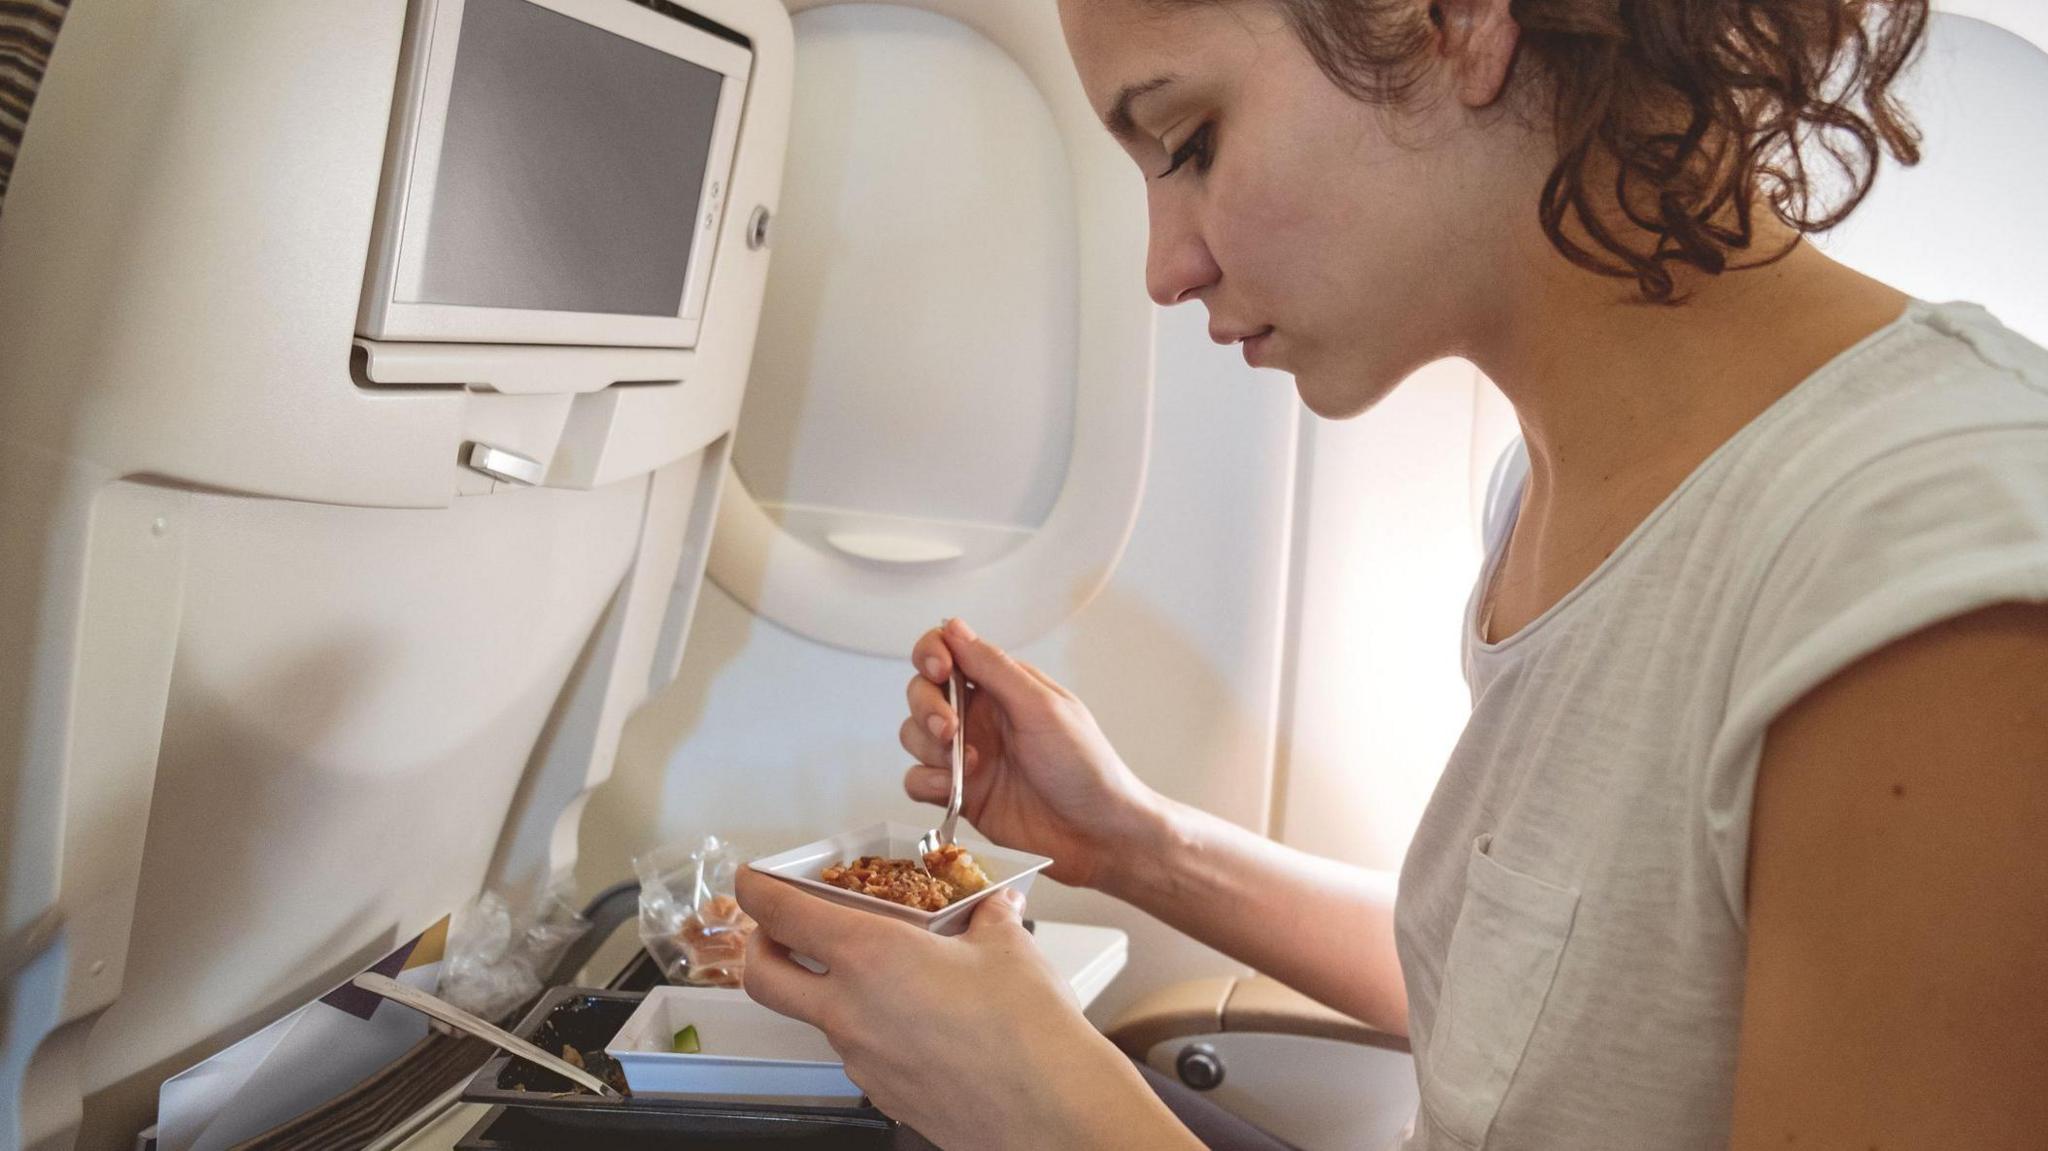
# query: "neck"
[[1619, 398]]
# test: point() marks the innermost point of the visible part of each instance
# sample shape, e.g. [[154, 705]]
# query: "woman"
[[1738, 848]]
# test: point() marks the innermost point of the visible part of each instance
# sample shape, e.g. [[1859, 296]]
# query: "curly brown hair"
[[1685, 112]]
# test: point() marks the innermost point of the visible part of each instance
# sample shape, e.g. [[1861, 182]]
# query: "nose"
[[1178, 265]]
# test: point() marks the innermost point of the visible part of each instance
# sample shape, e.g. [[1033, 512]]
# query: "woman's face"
[[1343, 242]]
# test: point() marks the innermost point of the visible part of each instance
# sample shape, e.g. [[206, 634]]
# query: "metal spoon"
[[942, 835], [461, 1020]]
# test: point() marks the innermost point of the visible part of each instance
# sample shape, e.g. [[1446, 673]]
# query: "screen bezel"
[[427, 77]]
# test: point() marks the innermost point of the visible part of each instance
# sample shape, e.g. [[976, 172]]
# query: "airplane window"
[[914, 379]]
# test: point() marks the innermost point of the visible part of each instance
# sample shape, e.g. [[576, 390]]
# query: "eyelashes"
[[1199, 147]]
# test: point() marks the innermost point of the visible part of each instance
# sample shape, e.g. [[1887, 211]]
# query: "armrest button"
[[1199, 1066]]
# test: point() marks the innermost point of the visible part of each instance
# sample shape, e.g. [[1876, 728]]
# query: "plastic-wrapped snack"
[[714, 940], [689, 921], [498, 959]]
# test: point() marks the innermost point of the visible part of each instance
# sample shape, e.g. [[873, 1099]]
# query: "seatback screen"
[[570, 171]]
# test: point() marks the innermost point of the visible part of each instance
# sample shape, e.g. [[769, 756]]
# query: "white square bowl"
[[750, 1054], [1007, 871]]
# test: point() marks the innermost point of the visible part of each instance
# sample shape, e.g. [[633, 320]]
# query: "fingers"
[[921, 743], [934, 785], [927, 784], [800, 921], [1002, 911], [932, 659], [934, 656], [993, 671], [778, 982], [929, 707]]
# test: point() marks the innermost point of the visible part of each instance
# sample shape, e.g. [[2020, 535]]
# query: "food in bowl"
[[949, 875]]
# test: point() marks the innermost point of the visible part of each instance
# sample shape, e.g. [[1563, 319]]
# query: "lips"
[[1237, 335], [1255, 347]]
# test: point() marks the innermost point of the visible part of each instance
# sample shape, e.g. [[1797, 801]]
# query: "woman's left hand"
[[972, 1040]]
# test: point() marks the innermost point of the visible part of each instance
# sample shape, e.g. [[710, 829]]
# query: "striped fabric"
[[28, 30]]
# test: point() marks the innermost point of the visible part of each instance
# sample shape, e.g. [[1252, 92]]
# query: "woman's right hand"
[[1040, 775]]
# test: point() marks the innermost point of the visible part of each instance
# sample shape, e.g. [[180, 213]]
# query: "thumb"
[[991, 668], [1003, 910]]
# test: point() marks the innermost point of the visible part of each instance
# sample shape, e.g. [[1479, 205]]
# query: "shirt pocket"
[[1511, 930]]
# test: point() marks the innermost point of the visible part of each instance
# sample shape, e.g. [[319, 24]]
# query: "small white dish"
[[749, 1053], [1007, 871]]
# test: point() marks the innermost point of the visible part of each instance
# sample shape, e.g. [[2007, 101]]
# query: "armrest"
[[1267, 1005], [1191, 1008], [1257, 1003]]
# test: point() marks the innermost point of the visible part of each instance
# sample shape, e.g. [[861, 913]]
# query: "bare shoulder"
[[1898, 899]]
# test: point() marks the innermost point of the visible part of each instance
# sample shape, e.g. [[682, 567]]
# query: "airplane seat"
[[1246, 1042], [330, 565]]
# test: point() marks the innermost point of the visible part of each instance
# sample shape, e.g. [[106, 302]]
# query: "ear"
[[1478, 39]]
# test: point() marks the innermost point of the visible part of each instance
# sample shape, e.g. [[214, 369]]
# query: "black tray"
[[509, 1129], [541, 1108]]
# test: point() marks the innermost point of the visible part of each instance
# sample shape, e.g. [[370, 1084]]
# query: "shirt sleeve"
[[1922, 534], [1503, 495]]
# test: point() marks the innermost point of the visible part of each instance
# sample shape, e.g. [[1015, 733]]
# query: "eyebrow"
[[1118, 118]]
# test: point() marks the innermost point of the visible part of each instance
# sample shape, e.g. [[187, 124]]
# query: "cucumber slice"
[[685, 1042]]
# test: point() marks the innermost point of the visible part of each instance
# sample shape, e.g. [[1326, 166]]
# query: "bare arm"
[[1898, 901], [1324, 928], [1041, 776]]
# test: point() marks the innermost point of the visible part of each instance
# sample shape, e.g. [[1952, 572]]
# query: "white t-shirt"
[[1571, 920]]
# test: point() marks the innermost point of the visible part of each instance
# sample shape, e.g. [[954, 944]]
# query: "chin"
[[1340, 395]]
